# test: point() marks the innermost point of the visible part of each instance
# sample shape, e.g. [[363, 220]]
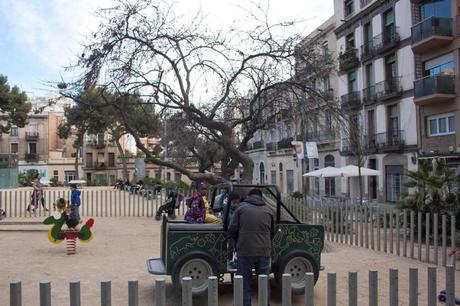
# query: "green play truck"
[[200, 250]]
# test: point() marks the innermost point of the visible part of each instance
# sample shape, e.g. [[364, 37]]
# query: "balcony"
[[389, 89], [434, 89], [369, 95], [351, 100], [367, 50], [433, 32], [387, 40], [393, 140], [96, 144], [32, 136], [322, 137], [365, 2], [31, 157], [271, 146], [348, 59], [256, 145], [100, 166], [285, 143]]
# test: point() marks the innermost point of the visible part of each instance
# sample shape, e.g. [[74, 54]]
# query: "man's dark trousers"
[[262, 265]]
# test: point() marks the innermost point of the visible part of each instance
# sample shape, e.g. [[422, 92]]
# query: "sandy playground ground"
[[121, 246]]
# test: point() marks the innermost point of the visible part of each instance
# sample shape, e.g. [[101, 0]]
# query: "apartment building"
[[100, 157], [376, 89], [38, 146], [272, 149], [435, 44]]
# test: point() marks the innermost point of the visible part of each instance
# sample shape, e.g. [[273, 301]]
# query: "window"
[[350, 41], [14, 148], [262, 173], [441, 125], [14, 131], [273, 177], [33, 148], [368, 38], [394, 182], [352, 83], [435, 8], [348, 7], [111, 159], [168, 176], [329, 182], [89, 160], [370, 80], [177, 177], [389, 28], [56, 174], [70, 175], [443, 65], [290, 181], [391, 67]]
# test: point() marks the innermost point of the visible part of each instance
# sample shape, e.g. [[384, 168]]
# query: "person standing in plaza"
[[74, 202], [36, 194], [253, 227]]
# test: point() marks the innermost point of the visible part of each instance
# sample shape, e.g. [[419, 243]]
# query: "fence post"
[[398, 233], [427, 237], [212, 291], [450, 286], [331, 289], [444, 240], [309, 292], [237, 291], [160, 294], [412, 224], [133, 293], [15, 293], [373, 288], [378, 229], [45, 293], [435, 238], [186, 291], [405, 233], [452, 237], [263, 290], [413, 286], [385, 242], [106, 293], [419, 235], [74, 288], [432, 294], [391, 227], [286, 290], [394, 294], [352, 289]]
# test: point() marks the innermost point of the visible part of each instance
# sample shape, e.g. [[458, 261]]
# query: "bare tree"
[[180, 65]]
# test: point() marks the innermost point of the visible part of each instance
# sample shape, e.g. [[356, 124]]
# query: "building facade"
[[376, 89]]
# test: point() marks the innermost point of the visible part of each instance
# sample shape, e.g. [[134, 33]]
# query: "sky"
[[40, 38]]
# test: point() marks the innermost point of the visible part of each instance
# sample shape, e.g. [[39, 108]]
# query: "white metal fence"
[[429, 298], [425, 237]]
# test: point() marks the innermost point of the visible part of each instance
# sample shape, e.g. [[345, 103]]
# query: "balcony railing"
[[369, 95], [271, 146], [31, 157], [351, 100], [388, 39], [322, 136], [96, 144], [432, 85], [390, 141], [365, 2], [256, 145], [285, 143], [367, 50], [389, 88], [348, 59], [31, 136], [433, 26]]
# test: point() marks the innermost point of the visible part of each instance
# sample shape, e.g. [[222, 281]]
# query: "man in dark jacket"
[[253, 228]]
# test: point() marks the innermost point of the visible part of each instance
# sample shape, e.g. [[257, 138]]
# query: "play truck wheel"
[[198, 268], [297, 264]]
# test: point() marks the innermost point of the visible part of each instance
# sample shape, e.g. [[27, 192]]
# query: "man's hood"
[[254, 200]]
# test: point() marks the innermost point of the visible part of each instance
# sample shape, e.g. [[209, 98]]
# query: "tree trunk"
[[123, 159]]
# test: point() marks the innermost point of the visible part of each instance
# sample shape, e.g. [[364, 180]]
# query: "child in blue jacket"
[[74, 202]]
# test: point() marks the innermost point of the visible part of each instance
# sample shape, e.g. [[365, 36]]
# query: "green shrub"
[[297, 195]]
